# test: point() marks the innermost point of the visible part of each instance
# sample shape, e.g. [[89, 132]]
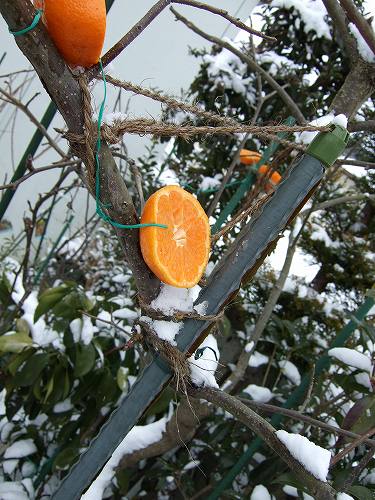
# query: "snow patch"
[[202, 370], [362, 46], [314, 458], [258, 393], [20, 449], [260, 492], [312, 12], [344, 496], [352, 358], [290, 371], [139, 437], [257, 359]]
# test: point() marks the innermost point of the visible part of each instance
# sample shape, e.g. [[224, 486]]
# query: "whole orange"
[[77, 27]]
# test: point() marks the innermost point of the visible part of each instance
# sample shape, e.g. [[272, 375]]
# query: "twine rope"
[[144, 126], [178, 316], [177, 360], [240, 217]]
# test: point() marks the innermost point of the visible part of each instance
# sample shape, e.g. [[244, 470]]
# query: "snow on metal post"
[[239, 264]]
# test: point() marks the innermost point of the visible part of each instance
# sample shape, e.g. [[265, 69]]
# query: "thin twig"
[[16, 102], [357, 163], [356, 472], [147, 19], [247, 60], [264, 429], [351, 446], [297, 415], [15, 184], [338, 201]]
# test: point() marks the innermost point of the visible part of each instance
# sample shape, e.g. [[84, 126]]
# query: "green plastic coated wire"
[[99, 204], [36, 20]]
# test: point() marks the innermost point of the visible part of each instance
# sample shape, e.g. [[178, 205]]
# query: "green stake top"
[[328, 146]]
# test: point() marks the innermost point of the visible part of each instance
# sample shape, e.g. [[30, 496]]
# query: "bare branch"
[[35, 171], [25, 109], [179, 430], [357, 163], [338, 201], [264, 317], [147, 19], [320, 490], [247, 60], [296, 415], [365, 126], [351, 446]]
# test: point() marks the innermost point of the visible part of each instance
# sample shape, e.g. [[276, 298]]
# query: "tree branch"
[[250, 62], [65, 91], [365, 126], [296, 415], [320, 490], [339, 22], [337, 201], [14, 185], [357, 163], [179, 430], [360, 22], [25, 109], [147, 19]]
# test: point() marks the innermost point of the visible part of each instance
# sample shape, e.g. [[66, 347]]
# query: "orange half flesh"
[[179, 254], [248, 157]]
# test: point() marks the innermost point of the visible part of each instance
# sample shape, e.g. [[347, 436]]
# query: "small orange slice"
[[248, 157], [179, 254], [274, 179]]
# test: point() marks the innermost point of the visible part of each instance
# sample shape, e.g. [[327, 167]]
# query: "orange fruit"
[[179, 254], [77, 28], [273, 180], [248, 157]]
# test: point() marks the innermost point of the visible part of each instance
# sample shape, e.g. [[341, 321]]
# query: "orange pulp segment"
[[179, 254], [248, 157]]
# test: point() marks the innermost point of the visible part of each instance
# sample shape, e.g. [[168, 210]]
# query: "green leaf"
[[5, 289], [66, 385], [84, 360], [22, 325], [71, 305], [361, 492], [65, 458], [107, 388], [14, 342], [49, 299], [49, 389], [17, 360], [122, 378], [31, 370], [367, 418]]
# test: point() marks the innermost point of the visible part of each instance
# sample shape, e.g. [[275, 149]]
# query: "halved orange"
[[248, 157], [179, 254]]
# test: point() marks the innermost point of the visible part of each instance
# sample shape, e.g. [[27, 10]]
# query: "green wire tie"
[[36, 20], [99, 204], [199, 353]]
